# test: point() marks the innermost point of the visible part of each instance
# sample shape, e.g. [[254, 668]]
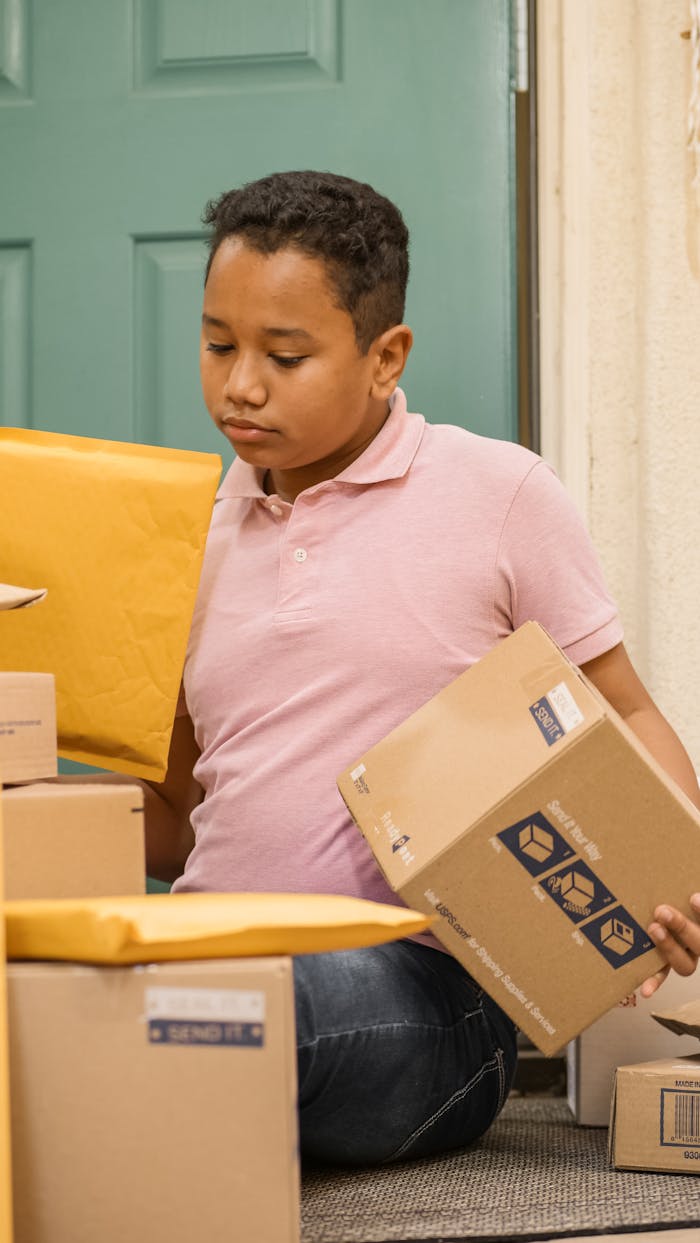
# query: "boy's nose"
[[244, 386]]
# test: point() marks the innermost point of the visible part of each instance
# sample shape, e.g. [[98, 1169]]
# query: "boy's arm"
[[677, 937], [614, 675], [169, 804]]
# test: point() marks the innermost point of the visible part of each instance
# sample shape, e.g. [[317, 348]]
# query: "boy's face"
[[282, 374]]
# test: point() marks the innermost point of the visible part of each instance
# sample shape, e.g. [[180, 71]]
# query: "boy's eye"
[[285, 360], [218, 349]]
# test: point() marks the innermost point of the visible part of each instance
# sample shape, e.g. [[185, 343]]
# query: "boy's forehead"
[[287, 280], [236, 261]]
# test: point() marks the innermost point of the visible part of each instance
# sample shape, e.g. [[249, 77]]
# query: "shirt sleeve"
[[548, 571]]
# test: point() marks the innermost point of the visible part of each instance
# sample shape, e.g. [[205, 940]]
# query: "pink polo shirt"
[[321, 625]]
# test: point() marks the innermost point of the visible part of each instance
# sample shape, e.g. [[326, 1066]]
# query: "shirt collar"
[[388, 456]]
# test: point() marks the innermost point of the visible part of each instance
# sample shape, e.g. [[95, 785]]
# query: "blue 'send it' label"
[[204, 1033], [547, 721]]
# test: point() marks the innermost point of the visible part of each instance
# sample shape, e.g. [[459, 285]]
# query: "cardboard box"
[[5, 1156], [655, 1114], [154, 1102], [627, 1033], [522, 812], [73, 840], [27, 727]]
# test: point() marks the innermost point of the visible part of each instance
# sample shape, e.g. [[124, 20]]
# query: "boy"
[[358, 560]]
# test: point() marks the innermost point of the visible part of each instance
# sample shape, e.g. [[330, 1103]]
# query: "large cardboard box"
[[73, 840], [655, 1114], [627, 1033], [522, 812], [154, 1102], [27, 727]]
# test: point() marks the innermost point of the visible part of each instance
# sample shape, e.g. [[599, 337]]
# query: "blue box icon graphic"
[[577, 891], [536, 844], [617, 936]]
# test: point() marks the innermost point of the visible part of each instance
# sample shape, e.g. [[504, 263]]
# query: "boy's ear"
[[390, 350]]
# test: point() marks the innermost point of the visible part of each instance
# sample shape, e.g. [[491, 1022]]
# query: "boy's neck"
[[271, 489], [287, 484]]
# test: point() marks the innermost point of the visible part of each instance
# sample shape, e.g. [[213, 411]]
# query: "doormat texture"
[[534, 1175]]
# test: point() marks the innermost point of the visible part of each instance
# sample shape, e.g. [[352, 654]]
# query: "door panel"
[[119, 120], [168, 294], [228, 46], [15, 298]]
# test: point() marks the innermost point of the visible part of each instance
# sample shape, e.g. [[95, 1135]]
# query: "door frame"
[[564, 38]]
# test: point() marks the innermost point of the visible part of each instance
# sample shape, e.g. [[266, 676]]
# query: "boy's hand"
[[678, 939]]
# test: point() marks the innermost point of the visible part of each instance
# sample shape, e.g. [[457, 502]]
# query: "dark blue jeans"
[[400, 1054]]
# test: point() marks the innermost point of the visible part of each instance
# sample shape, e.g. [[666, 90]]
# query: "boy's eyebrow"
[[212, 322], [288, 332]]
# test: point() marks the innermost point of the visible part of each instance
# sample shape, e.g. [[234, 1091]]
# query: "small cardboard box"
[[5, 1157], [627, 1033], [73, 840], [154, 1102], [655, 1114], [520, 810], [27, 727]]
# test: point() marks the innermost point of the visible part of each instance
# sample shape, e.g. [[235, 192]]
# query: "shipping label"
[[205, 1016], [556, 713], [357, 776]]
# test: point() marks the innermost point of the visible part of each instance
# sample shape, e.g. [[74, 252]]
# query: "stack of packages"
[[151, 1070], [60, 840]]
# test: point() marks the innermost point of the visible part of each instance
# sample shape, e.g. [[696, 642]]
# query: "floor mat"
[[535, 1175]]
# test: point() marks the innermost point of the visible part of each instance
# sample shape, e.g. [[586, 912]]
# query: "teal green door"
[[119, 119]]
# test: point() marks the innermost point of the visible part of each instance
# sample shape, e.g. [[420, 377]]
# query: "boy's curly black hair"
[[360, 236]]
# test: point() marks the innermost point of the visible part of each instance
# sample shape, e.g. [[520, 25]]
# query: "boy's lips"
[[243, 429], [231, 421]]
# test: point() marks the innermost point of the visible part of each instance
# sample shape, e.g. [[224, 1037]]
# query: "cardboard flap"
[[20, 597], [684, 1020]]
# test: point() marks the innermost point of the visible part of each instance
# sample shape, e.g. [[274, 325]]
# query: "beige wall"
[[620, 273]]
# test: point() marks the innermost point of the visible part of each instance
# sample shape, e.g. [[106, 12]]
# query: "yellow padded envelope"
[[166, 927], [116, 533]]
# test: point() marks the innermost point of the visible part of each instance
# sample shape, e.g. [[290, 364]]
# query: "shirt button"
[[275, 509], [300, 554]]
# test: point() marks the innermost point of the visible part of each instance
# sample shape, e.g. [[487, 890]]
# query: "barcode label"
[[205, 1017], [680, 1118], [687, 1117]]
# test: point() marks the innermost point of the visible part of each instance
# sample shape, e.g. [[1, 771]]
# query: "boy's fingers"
[[650, 986], [677, 937], [686, 931]]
